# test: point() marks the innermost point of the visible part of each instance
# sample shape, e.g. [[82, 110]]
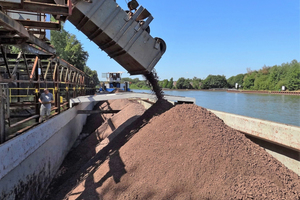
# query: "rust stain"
[[32, 188]]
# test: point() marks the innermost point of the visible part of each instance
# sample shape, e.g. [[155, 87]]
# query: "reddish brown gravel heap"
[[187, 153], [79, 156]]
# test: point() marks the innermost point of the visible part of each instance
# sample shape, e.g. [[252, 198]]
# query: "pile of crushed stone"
[[184, 153]]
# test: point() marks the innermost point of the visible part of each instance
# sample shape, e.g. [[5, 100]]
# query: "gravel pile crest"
[[188, 153]]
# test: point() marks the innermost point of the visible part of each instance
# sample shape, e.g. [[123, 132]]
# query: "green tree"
[[126, 79], [249, 81], [170, 84], [136, 83], [165, 83], [92, 73], [180, 83], [13, 49], [187, 84], [214, 81], [135, 80], [273, 78], [260, 82], [196, 83], [294, 77], [69, 48], [160, 83], [236, 79], [94, 76]]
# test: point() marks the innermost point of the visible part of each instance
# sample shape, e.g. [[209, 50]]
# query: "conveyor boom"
[[122, 35]]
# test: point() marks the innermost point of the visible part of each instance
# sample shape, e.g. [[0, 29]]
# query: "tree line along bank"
[[267, 78]]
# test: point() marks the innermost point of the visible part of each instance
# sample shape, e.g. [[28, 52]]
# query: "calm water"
[[278, 108]]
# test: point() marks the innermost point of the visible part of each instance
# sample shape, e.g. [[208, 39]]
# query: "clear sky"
[[213, 36]]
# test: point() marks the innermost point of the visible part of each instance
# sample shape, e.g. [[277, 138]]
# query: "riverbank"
[[266, 92], [205, 90], [236, 91], [261, 106]]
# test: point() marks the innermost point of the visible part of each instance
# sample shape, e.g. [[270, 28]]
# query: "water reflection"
[[277, 108]]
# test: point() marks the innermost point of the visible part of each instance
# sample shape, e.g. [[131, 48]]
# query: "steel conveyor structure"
[[35, 66], [124, 36]]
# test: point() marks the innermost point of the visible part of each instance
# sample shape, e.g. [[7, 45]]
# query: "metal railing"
[[4, 109], [27, 95]]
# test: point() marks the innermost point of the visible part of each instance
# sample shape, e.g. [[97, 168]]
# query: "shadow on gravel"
[[111, 152], [80, 155], [116, 171], [94, 120]]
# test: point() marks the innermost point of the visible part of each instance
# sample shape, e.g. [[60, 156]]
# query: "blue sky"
[[214, 36]]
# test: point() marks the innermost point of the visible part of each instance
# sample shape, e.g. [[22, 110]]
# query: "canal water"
[[273, 107]]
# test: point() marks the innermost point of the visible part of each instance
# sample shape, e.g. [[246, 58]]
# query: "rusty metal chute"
[[122, 35]]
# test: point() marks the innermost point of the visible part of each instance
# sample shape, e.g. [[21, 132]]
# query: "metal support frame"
[[35, 69], [40, 25], [28, 73], [2, 115], [35, 72], [5, 61], [56, 90], [31, 49], [37, 7], [4, 110], [24, 35]]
